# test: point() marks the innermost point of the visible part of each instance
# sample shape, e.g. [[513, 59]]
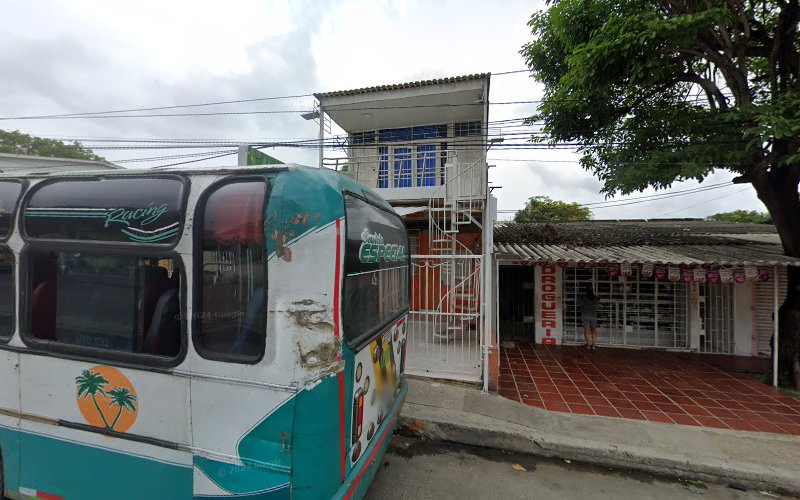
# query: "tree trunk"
[[778, 190], [789, 334]]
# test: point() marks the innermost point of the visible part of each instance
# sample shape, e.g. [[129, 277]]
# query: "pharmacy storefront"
[[676, 302]]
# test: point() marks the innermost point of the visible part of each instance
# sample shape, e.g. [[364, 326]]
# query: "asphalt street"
[[414, 469]]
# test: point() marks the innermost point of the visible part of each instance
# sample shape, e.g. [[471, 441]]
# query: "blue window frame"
[[383, 167], [426, 165], [395, 134], [363, 137], [411, 133], [442, 160], [402, 167], [466, 129]]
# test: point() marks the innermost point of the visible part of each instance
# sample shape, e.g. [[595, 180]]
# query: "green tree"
[[546, 209], [121, 397], [742, 216], [657, 91], [89, 385], [17, 143]]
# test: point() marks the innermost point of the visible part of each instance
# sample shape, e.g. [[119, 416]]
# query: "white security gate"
[[444, 334], [716, 311]]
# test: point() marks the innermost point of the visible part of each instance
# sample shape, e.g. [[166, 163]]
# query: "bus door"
[[241, 395], [375, 311]]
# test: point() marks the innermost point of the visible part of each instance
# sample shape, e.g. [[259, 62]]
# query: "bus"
[[216, 333]]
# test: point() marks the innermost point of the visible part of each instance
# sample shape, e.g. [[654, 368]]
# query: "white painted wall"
[[548, 304]]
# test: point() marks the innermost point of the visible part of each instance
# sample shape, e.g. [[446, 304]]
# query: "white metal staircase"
[[449, 213]]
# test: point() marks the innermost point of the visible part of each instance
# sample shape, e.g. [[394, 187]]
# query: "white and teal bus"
[[219, 333]]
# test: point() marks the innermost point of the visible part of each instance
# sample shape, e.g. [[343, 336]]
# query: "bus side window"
[[7, 294], [105, 301], [231, 325]]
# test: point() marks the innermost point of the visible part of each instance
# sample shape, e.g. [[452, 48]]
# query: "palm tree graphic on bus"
[[106, 398]]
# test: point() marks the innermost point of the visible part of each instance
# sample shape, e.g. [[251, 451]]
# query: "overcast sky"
[[64, 56]]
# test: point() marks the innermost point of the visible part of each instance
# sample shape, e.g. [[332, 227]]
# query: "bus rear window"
[[376, 269], [9, 194], [113, 302], [138, 210]]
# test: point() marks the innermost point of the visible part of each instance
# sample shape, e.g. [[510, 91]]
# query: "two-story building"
[[423, 146]]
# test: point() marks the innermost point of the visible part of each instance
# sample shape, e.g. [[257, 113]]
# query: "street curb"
[[414, 422]]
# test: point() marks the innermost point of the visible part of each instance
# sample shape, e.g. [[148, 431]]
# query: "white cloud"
[[73, 56]]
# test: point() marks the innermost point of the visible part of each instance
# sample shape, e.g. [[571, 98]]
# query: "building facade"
[[422, 146], [686, 285]]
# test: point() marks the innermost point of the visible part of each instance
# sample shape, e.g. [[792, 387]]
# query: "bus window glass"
[[232, 319], [9, 194], [376, 269], [145, 210], [7, 293], [114, 302]]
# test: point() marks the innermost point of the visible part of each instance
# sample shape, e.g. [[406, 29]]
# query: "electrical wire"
[[645, 199], [115, 114], [203, 104], [704, 202], [195, 160], [168, 157]]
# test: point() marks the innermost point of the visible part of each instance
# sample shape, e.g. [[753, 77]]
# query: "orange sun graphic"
[[106, 398]]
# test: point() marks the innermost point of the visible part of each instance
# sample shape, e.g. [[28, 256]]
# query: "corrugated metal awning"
[[736, 255]]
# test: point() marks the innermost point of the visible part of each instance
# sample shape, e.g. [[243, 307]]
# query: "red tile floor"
[[681, 388]]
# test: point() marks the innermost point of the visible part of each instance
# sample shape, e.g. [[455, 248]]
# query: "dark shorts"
[[589, 322]]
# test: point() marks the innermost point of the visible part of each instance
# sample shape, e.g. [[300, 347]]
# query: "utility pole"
[[243, 155], [318, 114], [321, 133]]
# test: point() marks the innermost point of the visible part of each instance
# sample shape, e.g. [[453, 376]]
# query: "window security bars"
[[633, 311]]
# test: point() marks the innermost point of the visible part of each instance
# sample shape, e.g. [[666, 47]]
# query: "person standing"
[[588, 305]]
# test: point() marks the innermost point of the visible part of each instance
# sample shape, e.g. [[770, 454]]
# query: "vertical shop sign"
[[548, 304]]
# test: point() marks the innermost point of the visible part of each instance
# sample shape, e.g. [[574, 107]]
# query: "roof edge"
[[406, 85]]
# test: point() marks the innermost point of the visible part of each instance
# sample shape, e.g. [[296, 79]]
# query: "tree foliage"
[[657, 91], [546, 209], [742, 216], [17, 143]]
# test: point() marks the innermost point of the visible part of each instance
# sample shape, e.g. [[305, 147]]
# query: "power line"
[[535, 160], [156, 108], [704, 202], [198, 105], [663, 196], [511, 72], [168, 157], [645, 199], [115, 114], [195, 160]]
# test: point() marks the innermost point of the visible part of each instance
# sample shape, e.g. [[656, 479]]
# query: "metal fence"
[[444, 336]]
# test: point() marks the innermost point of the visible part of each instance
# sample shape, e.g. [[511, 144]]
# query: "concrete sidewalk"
[[461, 414]]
